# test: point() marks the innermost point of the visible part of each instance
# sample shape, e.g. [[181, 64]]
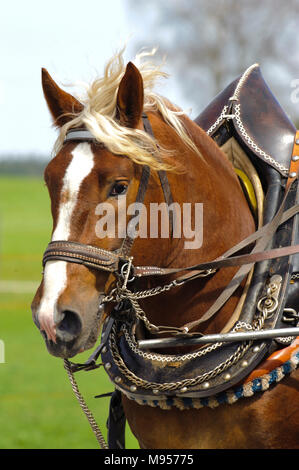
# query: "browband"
[[79, 134]]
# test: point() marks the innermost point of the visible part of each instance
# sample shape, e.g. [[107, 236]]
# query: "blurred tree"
[[208, 43]]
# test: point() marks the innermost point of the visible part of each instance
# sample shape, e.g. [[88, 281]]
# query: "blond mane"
[[99, 115]]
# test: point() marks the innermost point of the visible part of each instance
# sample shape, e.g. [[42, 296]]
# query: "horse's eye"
[[118, 189]]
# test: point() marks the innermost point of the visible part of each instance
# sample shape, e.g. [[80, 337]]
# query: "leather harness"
[[128, 368]]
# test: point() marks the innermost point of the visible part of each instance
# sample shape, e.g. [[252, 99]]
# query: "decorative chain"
[[171, 386], [95, 428], [121, 292], [117, 294], [175, 358], [253, 145], [165, 358], [218, 120]]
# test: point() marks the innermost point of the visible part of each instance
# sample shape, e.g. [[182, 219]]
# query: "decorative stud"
[[155, 391], [117, 379], [206, 385], [292, 174], [104, 350], [256, 348], [297, 141], [295, 158], [133, 388], [227, 376], [244, 364], [184, 389], [107, 366]]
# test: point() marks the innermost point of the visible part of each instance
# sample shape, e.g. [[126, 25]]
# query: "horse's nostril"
[[69, 327]]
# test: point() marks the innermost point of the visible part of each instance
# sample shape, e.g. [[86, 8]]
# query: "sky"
[[72, 39]]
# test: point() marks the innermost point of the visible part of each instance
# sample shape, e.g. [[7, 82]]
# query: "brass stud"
[[117, 379], [104, 350], [155, 391], [206, 385], [108, 366], [227, 376], [184, 389], [297, 141], [133, 388], [244, 364], [256, 348], [292, 174], [295, 158]]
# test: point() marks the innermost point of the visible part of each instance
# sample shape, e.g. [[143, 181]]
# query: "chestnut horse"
[[84, 174]]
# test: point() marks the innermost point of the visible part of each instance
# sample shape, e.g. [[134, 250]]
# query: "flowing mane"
[[99, 114]]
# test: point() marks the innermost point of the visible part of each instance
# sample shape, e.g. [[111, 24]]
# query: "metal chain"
[[121, 292], [165, 358], [175, 358], [117, 293], [172, 386], [95, 428]]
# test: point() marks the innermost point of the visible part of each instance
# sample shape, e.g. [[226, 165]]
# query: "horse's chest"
[[270, 420]]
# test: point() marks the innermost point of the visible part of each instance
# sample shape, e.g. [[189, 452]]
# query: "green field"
[[37, 407]]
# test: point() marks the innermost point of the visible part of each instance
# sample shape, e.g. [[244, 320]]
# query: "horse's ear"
[[130, 97], [62, 105]]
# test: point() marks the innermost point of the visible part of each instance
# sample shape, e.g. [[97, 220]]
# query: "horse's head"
[[95, 178], [81, 179]]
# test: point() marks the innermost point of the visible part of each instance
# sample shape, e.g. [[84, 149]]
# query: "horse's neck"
[[226, 220]]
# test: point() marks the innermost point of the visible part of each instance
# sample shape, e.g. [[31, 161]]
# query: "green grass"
[[25, 227], [37, 405]]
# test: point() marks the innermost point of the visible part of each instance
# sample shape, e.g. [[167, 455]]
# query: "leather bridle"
[[99, 258]]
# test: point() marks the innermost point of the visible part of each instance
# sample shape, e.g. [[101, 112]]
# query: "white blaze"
[[55, 277]]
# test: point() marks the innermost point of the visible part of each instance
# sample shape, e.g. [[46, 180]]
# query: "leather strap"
[[88, 255], [260, 245], [275, 360], [294, 166], [226, 260], [128, 241], [106, 260]]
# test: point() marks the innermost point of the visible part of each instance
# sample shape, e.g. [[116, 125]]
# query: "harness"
[[271, 303]]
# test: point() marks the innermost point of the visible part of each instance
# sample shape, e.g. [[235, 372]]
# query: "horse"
[[106, 140]]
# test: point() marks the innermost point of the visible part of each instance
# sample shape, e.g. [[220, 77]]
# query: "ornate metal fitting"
[[269, 303], [127, 272], [290, 316]]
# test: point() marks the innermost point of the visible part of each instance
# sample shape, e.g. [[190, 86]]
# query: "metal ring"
[[269, 310], [124, 271]]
